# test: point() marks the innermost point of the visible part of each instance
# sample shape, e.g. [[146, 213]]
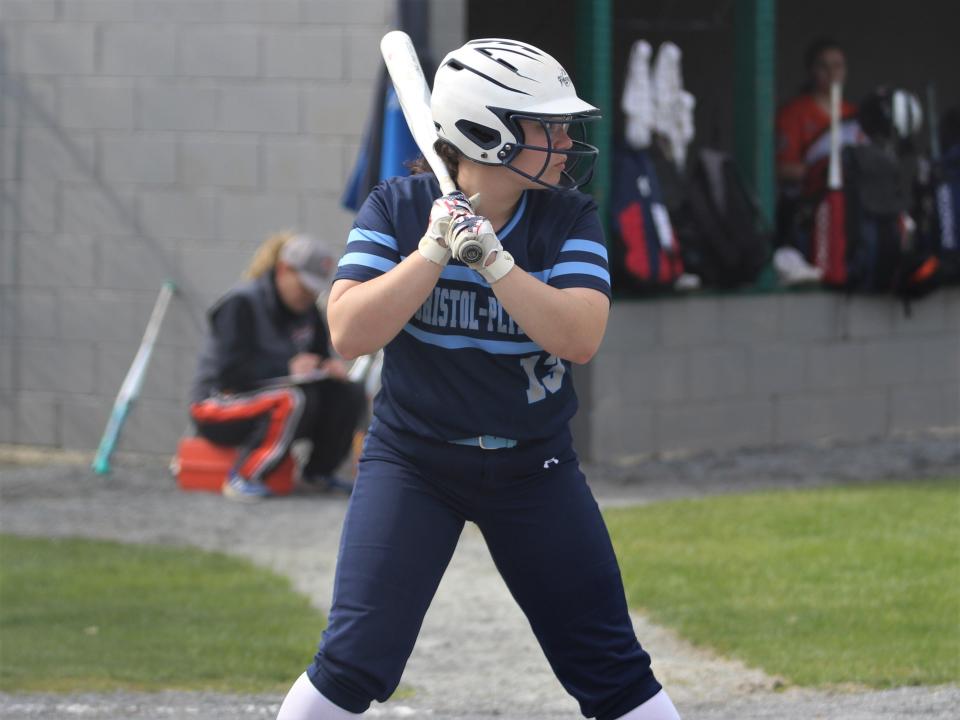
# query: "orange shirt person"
[[803, 123]]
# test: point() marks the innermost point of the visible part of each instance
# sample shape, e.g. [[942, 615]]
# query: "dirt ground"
[[476, 657]]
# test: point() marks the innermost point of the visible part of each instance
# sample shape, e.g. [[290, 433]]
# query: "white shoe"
[[687, 281], [793, 269]]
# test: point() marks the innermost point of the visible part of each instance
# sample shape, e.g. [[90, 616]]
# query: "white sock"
[[659, 707], [305, 702]]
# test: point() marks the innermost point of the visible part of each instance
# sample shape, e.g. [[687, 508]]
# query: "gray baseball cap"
[[313, 263]]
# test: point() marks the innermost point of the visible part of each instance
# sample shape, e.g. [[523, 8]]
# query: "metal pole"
[[755, 36], [594, 71]]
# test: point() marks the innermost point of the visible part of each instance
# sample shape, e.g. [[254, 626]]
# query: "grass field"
[[844, 585], [93, 616]]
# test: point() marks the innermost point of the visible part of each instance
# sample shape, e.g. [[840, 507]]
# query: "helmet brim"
[[561, 106]]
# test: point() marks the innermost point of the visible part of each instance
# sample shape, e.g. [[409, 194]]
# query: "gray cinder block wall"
[[701, 374], [142, 140]]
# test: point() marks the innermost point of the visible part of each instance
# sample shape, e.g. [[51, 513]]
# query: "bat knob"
[[471, 252]]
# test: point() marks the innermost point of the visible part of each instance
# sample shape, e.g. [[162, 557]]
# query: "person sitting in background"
[[803, 133], [266, 376]]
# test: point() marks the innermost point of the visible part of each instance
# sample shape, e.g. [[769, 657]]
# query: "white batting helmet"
[[888, 112], [482, 89]]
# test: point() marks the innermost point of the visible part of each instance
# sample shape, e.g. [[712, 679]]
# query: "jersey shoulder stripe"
[[588, 246], [366, 260], [582, 263], [580, 268], [384, 222], [581, 257], [361, 234]]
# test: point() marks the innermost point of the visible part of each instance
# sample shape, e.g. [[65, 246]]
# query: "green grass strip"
[[844, 585], [95, 616]]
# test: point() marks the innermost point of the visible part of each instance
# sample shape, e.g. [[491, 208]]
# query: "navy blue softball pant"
[[545, 534]]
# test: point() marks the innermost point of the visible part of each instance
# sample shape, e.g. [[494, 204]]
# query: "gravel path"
[[476, 658]]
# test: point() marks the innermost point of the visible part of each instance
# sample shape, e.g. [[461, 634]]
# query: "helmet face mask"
[[578, 156], [485, 92]]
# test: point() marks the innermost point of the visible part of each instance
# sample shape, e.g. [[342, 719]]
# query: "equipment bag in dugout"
[[645, 254], [724, 237], [946, 204], [881, 253]]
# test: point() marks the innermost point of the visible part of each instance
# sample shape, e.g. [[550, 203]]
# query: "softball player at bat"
[[471, 423]]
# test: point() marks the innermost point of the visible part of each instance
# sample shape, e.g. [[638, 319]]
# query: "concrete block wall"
[[716, 373], [142, 140]]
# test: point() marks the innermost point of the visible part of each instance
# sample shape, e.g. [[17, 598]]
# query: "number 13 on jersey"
[[551, 380]]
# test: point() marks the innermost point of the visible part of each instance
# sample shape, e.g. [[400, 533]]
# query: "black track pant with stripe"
[[264, 424]]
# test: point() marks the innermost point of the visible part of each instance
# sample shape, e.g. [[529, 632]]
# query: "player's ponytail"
[[447, 152]]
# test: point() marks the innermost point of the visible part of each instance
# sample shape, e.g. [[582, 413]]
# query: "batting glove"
[[474, 243], [433, 245]]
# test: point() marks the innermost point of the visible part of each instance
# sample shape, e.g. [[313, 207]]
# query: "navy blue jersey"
[[461, 366]]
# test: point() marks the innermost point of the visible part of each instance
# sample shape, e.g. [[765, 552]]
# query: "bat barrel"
[[402, 63]]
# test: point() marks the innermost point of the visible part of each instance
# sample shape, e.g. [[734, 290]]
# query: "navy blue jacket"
[[251, 337]]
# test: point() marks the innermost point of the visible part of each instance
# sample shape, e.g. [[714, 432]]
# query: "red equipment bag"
[[201, 465]]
